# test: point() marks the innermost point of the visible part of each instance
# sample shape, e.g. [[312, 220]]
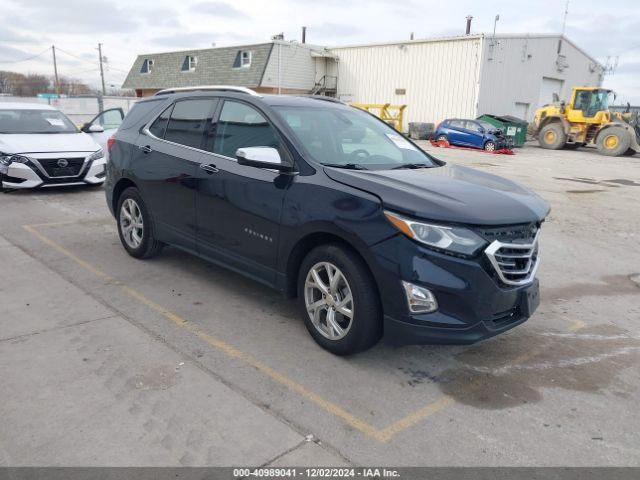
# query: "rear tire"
[[613, 141], [135, 226], [352, 281], [552, 137]]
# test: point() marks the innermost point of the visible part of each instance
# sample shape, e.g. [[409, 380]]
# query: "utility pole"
[[55, 70], [104, 90]]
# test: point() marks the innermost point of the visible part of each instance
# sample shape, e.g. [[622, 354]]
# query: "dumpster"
[[513, 127]]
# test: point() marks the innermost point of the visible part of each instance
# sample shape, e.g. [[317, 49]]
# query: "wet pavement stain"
[[624, 181], [155, 378], [585, 191], [511, 370]]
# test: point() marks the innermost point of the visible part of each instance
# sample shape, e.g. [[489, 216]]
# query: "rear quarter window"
[[141, 113]]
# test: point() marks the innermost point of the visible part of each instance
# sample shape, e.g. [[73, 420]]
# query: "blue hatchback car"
[[472, 133]]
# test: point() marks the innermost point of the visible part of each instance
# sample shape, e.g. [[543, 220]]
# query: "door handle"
[[145, 148], [209, 168]]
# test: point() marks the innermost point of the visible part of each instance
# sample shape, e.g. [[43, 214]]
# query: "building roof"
[[218, 65], [474, 36]]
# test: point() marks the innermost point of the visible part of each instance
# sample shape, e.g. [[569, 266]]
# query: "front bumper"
[[25, 176], [473, 303]]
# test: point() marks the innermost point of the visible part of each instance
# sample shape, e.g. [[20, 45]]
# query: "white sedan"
[[41, 147]]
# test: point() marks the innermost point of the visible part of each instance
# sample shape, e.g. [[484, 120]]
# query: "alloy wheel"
[[131, 223], [329, 300]]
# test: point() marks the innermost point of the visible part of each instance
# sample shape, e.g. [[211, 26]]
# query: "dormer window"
[[189, 63], [147, 66], [245, 58]]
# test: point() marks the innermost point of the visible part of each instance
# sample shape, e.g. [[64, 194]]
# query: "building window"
[[245, 58], [189, 63], [147, 66]]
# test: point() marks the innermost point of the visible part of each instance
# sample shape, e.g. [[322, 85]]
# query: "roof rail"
[[222, 88], [324, 98]]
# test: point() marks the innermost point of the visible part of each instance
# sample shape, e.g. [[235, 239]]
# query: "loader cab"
[[587, 103]]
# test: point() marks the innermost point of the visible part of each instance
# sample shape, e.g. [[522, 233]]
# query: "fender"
[[551, 119]]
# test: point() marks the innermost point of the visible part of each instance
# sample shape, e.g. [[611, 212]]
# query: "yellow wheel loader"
[[586, 120]]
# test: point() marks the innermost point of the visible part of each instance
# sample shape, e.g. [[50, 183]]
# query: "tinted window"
[[158, 127], [456, 123], [242, 126], [188, 121], [140, 112]]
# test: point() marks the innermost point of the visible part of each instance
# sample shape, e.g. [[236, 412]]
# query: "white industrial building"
[[465, 76]]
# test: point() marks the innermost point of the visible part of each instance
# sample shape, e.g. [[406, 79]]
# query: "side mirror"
[[95, 129], [261, 157]]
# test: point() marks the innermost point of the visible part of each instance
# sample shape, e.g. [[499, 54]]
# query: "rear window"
[[141, 112]]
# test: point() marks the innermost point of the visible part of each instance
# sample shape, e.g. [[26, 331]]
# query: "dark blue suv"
[[472, 133], [327, 203]]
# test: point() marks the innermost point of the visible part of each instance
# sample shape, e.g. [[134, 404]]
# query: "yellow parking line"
[[381, 435], [351, 420]]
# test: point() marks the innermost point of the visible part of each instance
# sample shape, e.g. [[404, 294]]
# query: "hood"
[[43, 143], [450, 193]]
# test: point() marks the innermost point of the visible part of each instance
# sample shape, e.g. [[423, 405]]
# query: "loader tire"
[[613, 142], [552, 137]]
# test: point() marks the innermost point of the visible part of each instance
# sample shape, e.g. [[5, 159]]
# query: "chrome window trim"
[[496, 245]]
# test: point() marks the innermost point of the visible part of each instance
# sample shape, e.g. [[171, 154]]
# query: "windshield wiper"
[[411, 165], [349, 166]]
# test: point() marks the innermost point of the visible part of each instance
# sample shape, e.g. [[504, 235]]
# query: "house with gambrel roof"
[[273, 67]]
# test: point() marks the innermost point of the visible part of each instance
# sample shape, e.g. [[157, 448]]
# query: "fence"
[[78, 109]]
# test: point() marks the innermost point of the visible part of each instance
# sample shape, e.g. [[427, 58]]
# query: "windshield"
[[35, 121], [351, 138], [592, 102]]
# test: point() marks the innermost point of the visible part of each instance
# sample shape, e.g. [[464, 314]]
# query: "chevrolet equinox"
[[329, 204]]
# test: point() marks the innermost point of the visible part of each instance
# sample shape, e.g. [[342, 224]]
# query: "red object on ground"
[[445, 144]]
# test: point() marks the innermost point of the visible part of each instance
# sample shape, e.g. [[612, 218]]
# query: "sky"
[[127, 28]]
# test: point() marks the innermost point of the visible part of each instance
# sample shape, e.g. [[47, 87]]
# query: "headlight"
[[96, 155], [452, 239], [8, 159]]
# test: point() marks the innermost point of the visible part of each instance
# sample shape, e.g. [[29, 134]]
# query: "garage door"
[[548, 88]]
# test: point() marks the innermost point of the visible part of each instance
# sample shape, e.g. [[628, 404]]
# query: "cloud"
[[218, 9], [76, 17], [196, 40]]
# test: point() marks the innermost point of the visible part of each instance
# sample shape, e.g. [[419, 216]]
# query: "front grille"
[[55, 168], [513, 252]]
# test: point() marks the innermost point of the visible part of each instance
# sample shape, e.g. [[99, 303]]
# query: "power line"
[[46, 50], [74, 56]]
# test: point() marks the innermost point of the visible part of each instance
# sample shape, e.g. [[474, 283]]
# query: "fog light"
[[419, 299]]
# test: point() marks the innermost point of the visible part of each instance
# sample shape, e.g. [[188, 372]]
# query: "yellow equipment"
[[586, 120], [392, 114]]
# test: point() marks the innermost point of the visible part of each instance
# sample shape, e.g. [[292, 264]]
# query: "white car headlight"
[[96, 155], [448, 238], [8, 159]]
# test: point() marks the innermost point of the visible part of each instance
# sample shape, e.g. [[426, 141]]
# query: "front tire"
[[552, 137], [339, 300], [490, 146], [135, 227], [613, 141]]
